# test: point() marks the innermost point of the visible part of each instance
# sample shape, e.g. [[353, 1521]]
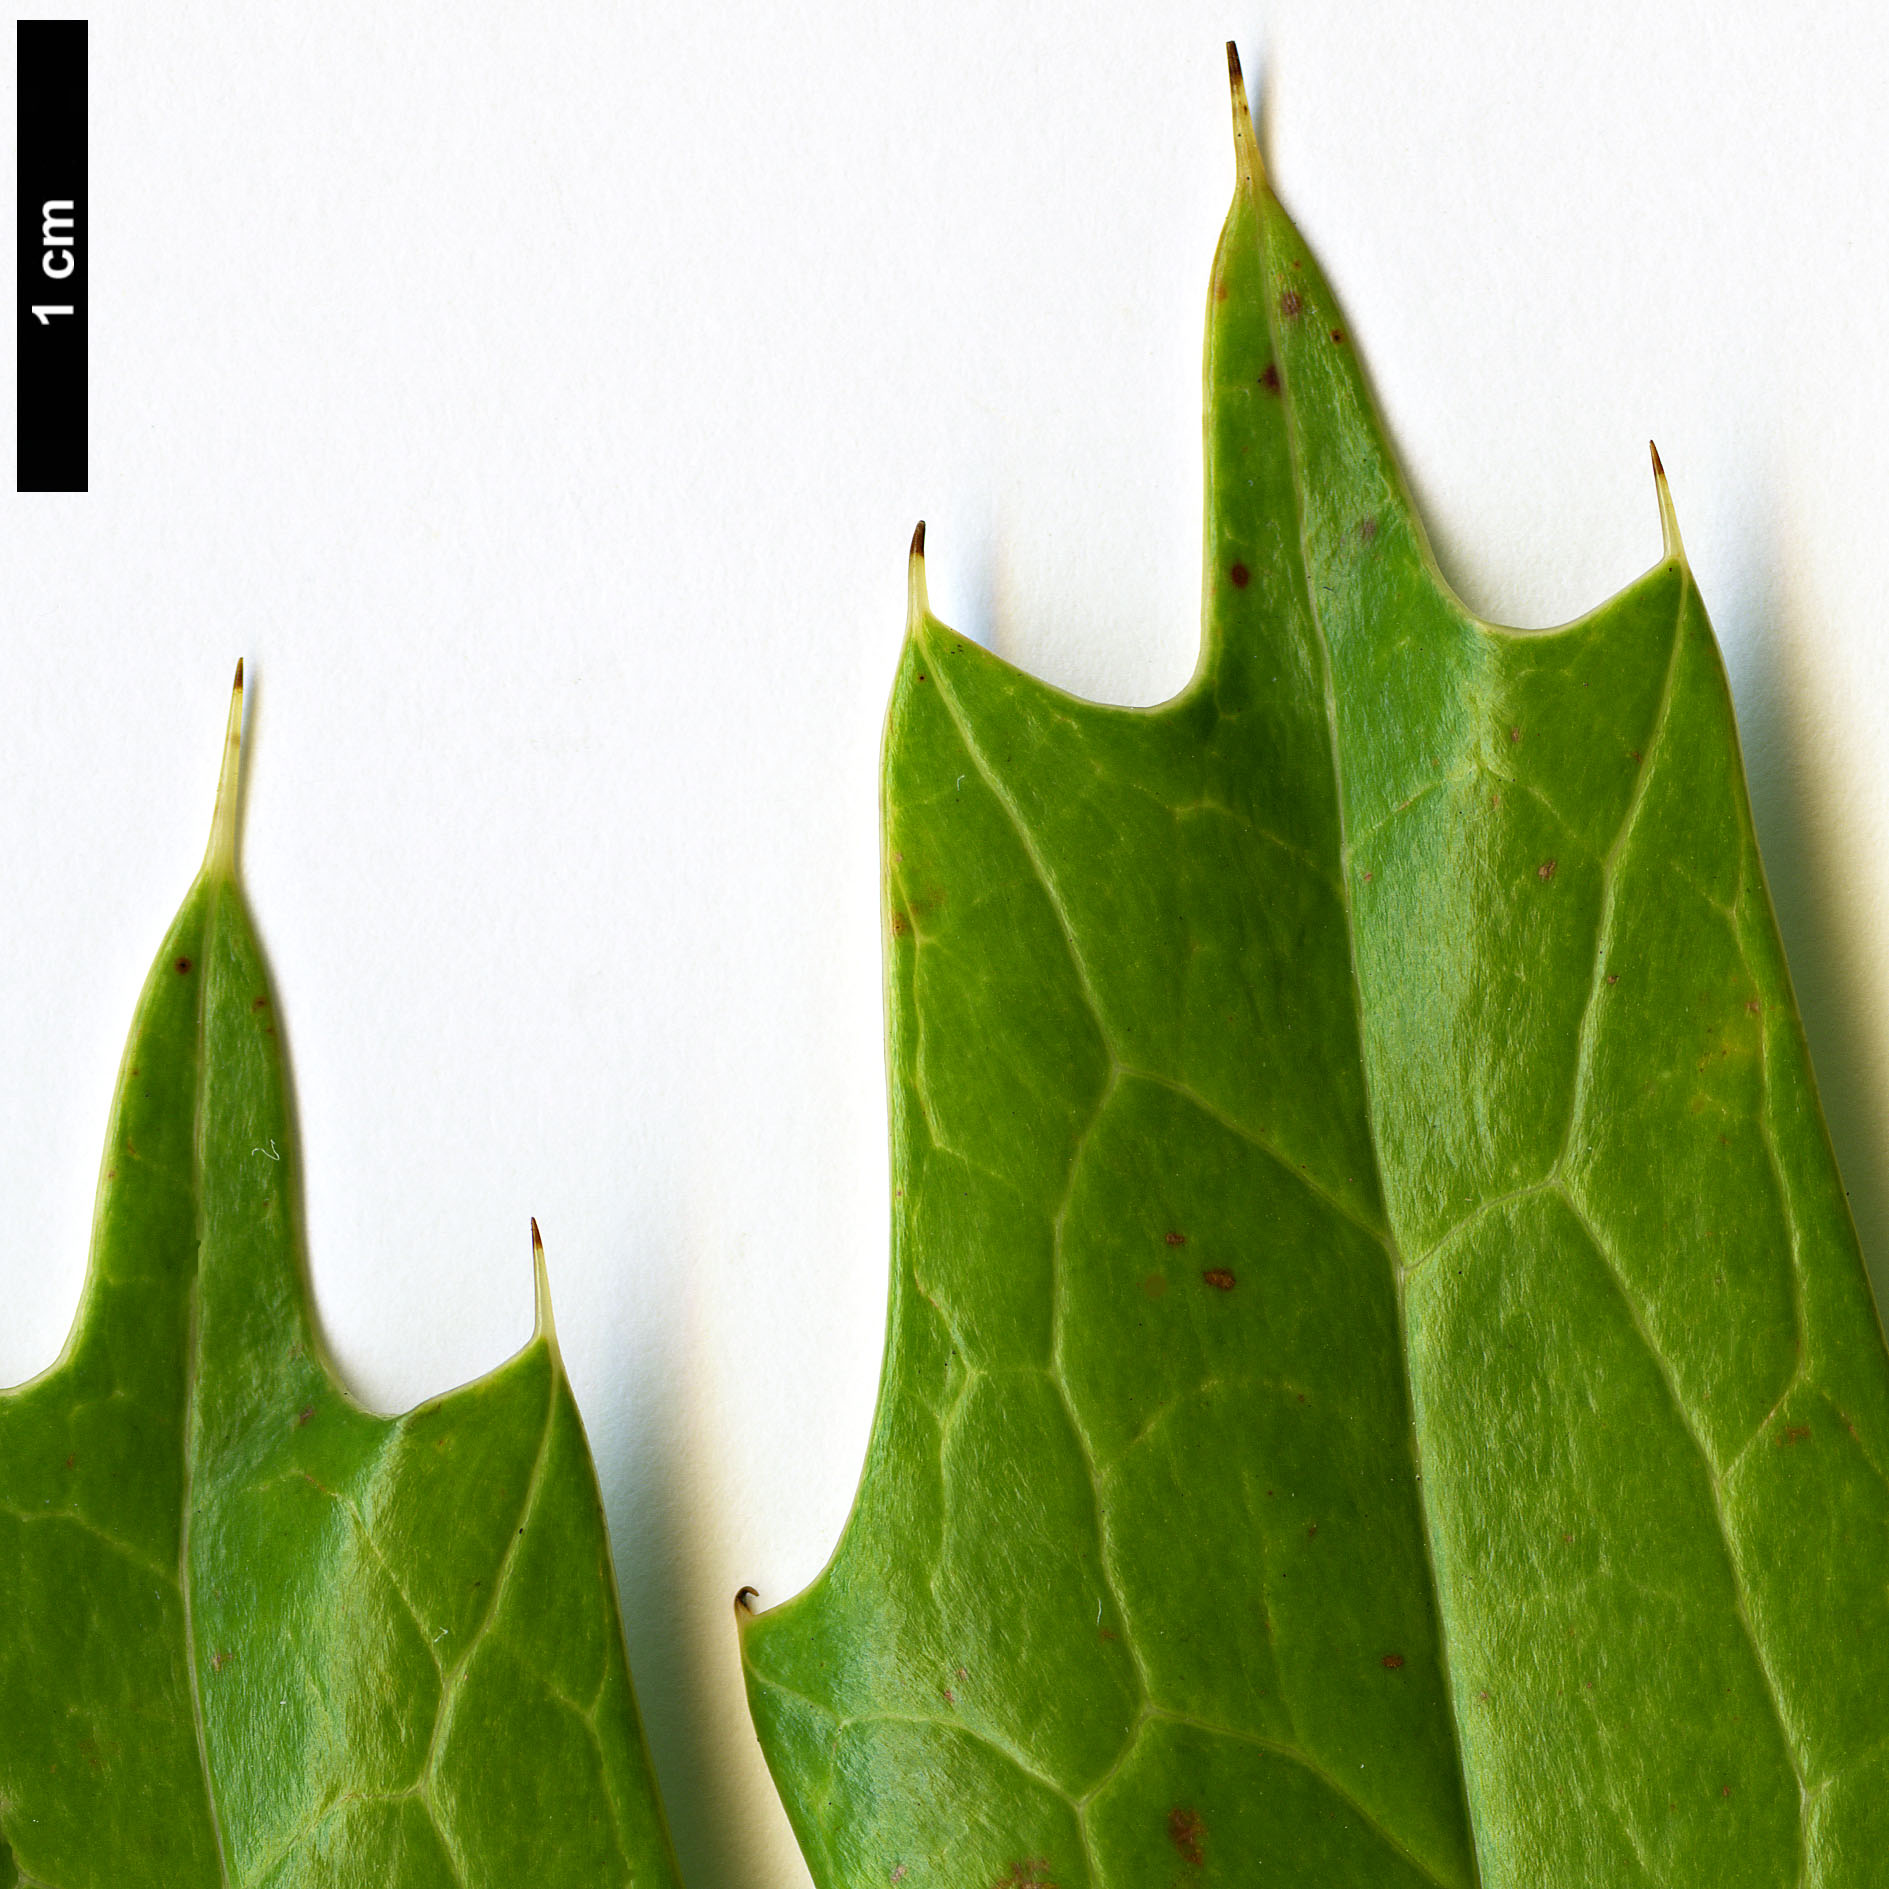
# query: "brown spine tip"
[[543, 1325], [1245, 140], [745, 1598], [1672, 551], [917, 600], [219, 859]]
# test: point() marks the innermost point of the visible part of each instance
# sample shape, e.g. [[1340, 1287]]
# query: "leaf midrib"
[[1392, 1248], [212, 902], [1554, 1180]]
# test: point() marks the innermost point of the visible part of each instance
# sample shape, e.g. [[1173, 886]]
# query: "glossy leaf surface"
[[251, 1634], [1381, 1387]]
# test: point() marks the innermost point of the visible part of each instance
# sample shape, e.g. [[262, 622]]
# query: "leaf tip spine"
[[917, 598], [1675, 551], [745, 1597], [219, 859], [1245, 139], [543, 1325]]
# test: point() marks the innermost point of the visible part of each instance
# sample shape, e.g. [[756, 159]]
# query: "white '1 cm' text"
[[55, 232]]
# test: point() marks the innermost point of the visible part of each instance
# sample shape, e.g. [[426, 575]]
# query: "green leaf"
[[1381, 1387], [251, 1634]]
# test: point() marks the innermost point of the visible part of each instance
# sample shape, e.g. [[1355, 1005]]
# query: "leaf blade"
[[329, 1563], [1456, 936]]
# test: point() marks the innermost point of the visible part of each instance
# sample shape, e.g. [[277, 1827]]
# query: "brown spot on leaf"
[[1289, 302], [1219, 291], [1188, 1835], [1270, 379], [1338, 335], [1613, 977], [303, 1415], [1725, 1790], [1311, 1528], [1545, 870], [1177, 1239], [1753, 1005], [1032, 1873], [1515, 735], [1367, 529], [183, 967], [900, 924], [1155, 1286], [1392, 1661], [261, 1003], [1793, 1433], [1240, 574], [70, 1460], [1219, 1278]]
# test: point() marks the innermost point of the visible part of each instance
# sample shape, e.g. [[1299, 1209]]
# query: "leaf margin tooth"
[[1674, 550], [219, 857], [1252, 167], [543, 1326], [917, 597]]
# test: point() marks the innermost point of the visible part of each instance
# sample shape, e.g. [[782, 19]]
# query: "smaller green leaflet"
[[251, 1635], [1380, 1389]]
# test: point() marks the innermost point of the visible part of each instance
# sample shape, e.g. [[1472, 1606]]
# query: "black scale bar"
[[52, 238]]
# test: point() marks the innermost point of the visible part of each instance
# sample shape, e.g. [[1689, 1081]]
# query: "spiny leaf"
[[1381, 1386], [251, 1634]]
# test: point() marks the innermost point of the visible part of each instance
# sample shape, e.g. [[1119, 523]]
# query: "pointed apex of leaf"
[[917, 599], [1245, 139], [543, 1325], [1675, 551], [219, 858]]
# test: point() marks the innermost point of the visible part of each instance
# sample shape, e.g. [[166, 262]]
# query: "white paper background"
[[541, 399]]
